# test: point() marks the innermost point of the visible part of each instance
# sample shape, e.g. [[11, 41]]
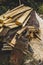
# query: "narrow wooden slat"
[[26, 21], [1, 29], [13, 26], [23, 9], [17, 12], [21, 20], [13, 42], [8, 24], [8, 14], [14, 9], [31, 27], [2, 19], [7, 21], [12, 19], [20, 31]]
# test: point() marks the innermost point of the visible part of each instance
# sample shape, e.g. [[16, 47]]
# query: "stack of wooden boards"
[[15, 17], [13, 23], [12, 20]]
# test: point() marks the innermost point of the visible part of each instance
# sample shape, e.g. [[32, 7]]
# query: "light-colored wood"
[[20, 31], [13, 42], [7, 21], [21, 20], [24, 8], [9, 24], [12, 19], [2, 19], [1, 24], [13, 26], [13, 12], [1, 30], [26, 21], [10, 11]]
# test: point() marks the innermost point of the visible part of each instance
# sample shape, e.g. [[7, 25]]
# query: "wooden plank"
[[31, 28], [8, 15], [21, 20], [13, 42], [20, 31], [12, 19], [13, 26], [7, 21], [1, 30], [24, 8], [14, 9], [2, 18], [26, 21], [1, 24], [8, 24]]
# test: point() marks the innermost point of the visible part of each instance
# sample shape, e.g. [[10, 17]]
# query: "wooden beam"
[[13, 26], [14, 9], [12, 19], [22, 19], [2, 18], [22, 9], [26, 21], [8, 24], [1, 29], [13, 42], [20, 31]]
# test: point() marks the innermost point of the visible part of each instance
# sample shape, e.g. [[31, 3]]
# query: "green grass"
[[40, 9]]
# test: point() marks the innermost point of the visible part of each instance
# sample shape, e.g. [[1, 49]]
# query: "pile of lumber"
[[17, 16], [14, 20], [16, 29]]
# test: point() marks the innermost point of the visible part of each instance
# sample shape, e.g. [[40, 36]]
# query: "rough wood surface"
[[24, 8], [12, 19], [1, 29], [22, 19], [13, 9], [20, 31], [13, 42], [26, 21]]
